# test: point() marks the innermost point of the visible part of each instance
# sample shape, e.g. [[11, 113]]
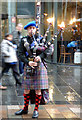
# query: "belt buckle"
[[31, 59]]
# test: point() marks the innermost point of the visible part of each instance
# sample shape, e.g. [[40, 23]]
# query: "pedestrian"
[[35, 73], [2, 87], [16, 40], [8, 50], [17, 34]]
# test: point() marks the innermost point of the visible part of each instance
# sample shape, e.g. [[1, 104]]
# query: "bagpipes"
[[43, 46]]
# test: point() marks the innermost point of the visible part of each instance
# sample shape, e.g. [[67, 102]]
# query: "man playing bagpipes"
[[35, 73]]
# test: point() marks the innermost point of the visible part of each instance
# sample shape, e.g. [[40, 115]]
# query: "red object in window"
[[13, 20]]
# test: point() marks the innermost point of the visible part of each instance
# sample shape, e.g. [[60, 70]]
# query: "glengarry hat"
[[32, 23]]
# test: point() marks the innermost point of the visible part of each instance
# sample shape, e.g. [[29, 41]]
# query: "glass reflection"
[[70, 96], [51, 90]]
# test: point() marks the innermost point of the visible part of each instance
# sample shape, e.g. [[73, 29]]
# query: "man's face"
[[31, 30], [19, 27], [10, 37]]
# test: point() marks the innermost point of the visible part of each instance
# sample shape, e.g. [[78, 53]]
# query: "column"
[[11, 14], [49, 16], [55, 31]]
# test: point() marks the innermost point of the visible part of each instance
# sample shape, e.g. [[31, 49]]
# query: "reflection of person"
[[72, 44], [35, 73], [72, 47], [8, 50], [17, 34], [16, 40]]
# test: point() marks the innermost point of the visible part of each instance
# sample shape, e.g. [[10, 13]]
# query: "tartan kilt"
[[37, 80]]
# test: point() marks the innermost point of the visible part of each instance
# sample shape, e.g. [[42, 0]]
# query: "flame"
[[45, 14], [50, 20], [38, 3], [62, 25], [72, 20]]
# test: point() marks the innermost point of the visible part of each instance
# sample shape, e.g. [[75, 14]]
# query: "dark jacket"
[[22, 52], [16, 37]]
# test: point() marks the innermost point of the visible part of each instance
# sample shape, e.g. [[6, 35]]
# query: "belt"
[[31, 59]]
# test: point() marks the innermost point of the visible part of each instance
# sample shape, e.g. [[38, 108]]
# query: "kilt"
[[37, 80]]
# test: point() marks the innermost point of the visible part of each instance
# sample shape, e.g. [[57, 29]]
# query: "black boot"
[[26, 103], [35, 114], [21, 112]]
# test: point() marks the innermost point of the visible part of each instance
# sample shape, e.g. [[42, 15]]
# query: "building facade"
[[23, 12]]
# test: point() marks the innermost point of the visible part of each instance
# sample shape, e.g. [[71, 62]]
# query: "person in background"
[[2, 87], [72, 47], [8, 50], [17, 34], [35, 73], [73, 44], [16, 40]]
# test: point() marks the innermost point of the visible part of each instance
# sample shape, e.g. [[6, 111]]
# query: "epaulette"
[[24, 38]]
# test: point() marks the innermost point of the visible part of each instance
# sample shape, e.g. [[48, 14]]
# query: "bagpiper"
[[35, 73]]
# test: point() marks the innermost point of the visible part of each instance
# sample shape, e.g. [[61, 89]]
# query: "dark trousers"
[[21, 67], [70, 50], [14, 69], [3, 65], [21, 64]]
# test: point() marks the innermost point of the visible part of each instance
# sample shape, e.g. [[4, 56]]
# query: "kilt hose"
[[37, 80]]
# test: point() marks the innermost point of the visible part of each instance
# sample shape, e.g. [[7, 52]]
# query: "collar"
[[30, 39]]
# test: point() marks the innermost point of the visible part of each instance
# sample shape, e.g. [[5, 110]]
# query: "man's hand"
[[37, 59], [75, 50], [32, 64]]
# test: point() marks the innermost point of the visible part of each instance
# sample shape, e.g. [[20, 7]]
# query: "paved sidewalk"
[[64, 92], [59, 112]]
